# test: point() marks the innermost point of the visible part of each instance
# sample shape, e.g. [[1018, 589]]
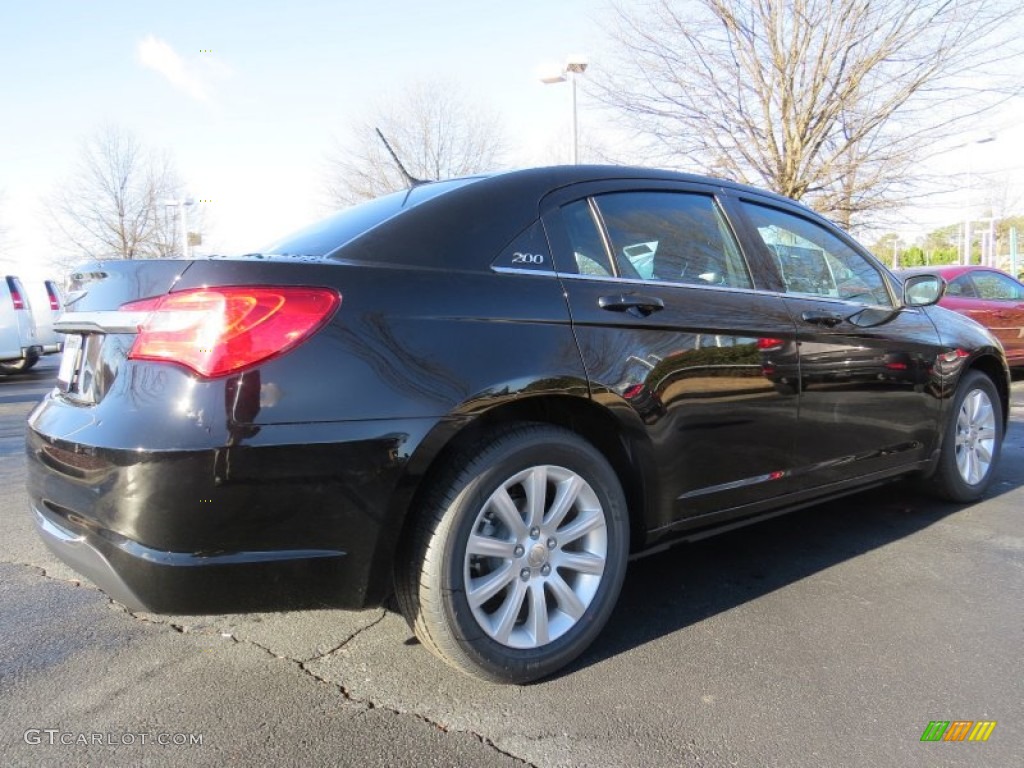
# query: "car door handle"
[[631, 302], [817, 317]]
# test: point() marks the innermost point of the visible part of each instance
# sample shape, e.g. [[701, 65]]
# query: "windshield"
[[328, 235]]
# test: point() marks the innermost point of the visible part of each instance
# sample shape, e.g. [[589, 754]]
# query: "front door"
[[865, 362]]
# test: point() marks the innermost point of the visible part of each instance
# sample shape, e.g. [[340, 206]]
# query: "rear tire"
[[972, 441], [517, 556]]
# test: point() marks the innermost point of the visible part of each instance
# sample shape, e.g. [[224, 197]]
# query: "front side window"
[[814, 262], [672, 236]]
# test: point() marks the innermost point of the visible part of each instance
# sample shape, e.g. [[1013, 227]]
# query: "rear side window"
[[590, 255], [996, 287], [658, 236], [672, 236]]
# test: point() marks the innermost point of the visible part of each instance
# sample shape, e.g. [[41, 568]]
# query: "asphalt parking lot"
[[829, 637]]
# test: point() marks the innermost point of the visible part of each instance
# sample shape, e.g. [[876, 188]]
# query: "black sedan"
[[490, 393]]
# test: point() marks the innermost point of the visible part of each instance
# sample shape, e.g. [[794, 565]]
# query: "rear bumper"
[[146, 579], [295, 516]]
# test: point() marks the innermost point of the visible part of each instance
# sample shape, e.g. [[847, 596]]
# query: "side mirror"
[[923, 290]]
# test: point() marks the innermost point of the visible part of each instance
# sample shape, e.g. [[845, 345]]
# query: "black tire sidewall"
[[520, 665]]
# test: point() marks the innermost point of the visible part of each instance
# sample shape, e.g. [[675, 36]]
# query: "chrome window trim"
[[523, 271], [698, 287], [669, 284]]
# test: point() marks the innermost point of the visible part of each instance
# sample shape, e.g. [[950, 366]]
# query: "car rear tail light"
[[633, 391], [15, 289], [766, 344], [216, 331], [52, 293]]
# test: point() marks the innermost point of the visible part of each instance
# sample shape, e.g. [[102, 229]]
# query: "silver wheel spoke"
[[565, 597], [971, 407], [486, 587], [506, 510], [568, 491], [972, 467], [509, 611], [538, 618], [984, 452], [486, 546], [587, 521], [963, 421], [581, 562], [536, 495]]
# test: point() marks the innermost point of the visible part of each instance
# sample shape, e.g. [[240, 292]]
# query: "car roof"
[[554, 177], [466, 226]]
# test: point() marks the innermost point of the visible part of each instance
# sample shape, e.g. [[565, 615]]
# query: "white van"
[[20, 347]]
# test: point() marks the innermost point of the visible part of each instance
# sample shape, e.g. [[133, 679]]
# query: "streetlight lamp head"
[[576, 64]]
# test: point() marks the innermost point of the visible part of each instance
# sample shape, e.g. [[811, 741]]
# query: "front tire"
[[972, 441], [517, 558]]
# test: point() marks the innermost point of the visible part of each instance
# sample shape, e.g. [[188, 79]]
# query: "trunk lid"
[[107, 285], [96, 340]]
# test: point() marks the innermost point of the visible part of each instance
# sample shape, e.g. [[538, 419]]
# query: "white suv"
[[20, 347]]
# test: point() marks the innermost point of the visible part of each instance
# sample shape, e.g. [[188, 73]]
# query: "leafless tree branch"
[[434, 128], [830, 101], [113, 205]]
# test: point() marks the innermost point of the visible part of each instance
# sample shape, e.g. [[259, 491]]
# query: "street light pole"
[[182, 206], [574, 66], [966, 256]]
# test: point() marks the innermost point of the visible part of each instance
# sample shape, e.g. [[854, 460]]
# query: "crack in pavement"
[[43, 572], [301, 664], [347, 640]]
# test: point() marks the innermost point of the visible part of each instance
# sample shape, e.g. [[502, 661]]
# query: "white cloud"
[[154, 53]]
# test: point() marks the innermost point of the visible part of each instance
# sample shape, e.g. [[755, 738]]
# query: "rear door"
[[673, 332], [865, 362]]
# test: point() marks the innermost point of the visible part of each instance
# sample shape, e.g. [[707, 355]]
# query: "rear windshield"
[[333, 232]]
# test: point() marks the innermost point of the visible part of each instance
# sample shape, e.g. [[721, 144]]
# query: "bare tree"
[[831, 101], [435, 129], [114, 206]]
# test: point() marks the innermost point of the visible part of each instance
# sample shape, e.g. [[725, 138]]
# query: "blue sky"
[[249, 123]]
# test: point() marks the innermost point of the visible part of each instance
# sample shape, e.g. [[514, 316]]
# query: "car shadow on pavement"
[[682, 586]]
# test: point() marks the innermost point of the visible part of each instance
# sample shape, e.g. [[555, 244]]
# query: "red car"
[[990, 297]]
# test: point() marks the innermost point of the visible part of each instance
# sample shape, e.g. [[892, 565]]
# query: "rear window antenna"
[[413, 181]]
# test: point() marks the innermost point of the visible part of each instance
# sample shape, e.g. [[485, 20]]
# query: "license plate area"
[[70, 362]]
